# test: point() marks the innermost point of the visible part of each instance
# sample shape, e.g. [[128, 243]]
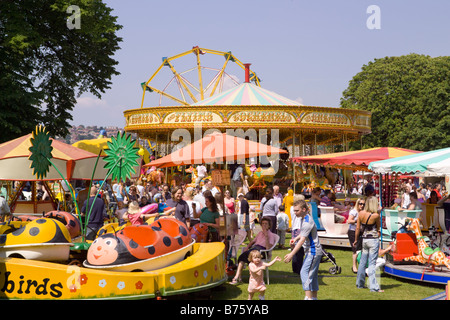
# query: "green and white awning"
[[431, 163]]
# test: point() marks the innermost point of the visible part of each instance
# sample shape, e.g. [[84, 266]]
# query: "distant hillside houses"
[[82, 132]]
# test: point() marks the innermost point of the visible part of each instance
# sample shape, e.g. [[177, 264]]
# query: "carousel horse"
[[259, 175], [156, 176], [300, 176], [332, 175], [426, 254], [348, 178], [193, 171], [318, 180]]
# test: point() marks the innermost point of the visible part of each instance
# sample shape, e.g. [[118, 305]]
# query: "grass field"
[[285, 285]]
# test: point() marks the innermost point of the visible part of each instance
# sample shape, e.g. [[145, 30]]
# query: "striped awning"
[[431, 163], [247, 94], [356, 160]]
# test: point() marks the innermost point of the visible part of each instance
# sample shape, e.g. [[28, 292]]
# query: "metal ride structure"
[[189, 92], [245, 106]]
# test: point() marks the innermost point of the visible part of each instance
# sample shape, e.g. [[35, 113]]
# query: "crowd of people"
[[279, 214]]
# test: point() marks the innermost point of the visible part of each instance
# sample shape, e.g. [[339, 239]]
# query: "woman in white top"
[[352, 220]]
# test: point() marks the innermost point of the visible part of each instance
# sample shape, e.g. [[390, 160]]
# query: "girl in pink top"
[[263, 240], [256, 268]]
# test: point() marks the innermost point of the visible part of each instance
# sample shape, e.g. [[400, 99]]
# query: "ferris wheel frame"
[[185, 86]]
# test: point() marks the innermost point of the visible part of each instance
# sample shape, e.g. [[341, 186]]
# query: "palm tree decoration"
[[121, 156], [120, 160], [41, 152]]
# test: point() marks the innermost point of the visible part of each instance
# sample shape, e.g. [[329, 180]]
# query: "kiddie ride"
[[412, 257], [131, 262]]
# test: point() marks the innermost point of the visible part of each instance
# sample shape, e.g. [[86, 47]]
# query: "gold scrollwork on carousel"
[[192, 116], [262, 116], [326, 118], [141, 119], [362, 121]]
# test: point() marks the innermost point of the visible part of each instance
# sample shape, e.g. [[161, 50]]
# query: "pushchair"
[[328, 256]]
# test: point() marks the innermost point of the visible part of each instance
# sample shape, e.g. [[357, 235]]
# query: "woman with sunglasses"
[[352, 219]]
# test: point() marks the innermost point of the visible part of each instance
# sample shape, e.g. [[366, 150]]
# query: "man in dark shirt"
[[245, 214], [182, 212], [98, 214]]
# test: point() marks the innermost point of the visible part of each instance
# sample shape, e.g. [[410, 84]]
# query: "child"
[[134, 214], [256, 268], [282, 226]]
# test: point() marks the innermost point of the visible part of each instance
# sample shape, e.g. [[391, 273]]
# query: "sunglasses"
[[361, 203]]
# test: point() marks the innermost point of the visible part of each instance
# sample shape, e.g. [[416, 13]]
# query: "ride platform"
[[417, 272], [333, 240], [39, 280]]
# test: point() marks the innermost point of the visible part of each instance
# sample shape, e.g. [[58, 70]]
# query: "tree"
[[45, 63], [409, 97]]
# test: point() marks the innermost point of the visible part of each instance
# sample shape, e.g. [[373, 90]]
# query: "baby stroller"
[[328, 256]]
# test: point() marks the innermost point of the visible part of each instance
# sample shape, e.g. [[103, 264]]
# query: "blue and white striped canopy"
[[431, 163]]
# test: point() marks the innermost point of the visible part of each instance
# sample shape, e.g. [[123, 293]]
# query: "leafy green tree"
[[46, 61], [409, 97]]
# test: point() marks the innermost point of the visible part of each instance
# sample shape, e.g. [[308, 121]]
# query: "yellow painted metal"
[[182, 82], [220, 74], [199, 67], [178, 77], [168, 95], [30, 279]]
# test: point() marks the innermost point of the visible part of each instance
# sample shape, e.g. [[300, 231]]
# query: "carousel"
[[415, 254], [202, 98], [333, 232]]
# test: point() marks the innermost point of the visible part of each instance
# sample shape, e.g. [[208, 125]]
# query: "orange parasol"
[[215, 147]]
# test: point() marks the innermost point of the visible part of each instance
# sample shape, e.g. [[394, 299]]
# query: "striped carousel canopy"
[[247, 94]]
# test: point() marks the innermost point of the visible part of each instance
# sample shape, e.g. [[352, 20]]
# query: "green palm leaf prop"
[[41, 152], [121, 156]]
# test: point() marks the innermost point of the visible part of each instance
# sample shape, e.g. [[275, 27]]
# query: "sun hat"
[[133, 207]]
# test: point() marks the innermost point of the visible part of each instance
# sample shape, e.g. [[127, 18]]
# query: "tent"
[[74, 163], [431, 163], [355, 160]]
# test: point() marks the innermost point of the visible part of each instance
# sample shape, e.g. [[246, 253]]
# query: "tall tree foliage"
[[409, 97], [44, 64]]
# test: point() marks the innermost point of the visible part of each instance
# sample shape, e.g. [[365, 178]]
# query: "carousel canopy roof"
[[247, 94], [359, 159], [431, 163]]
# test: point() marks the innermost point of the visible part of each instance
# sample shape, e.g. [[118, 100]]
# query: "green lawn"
[[285, 285]]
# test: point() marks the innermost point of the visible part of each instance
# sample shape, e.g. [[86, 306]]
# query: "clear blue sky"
[[304, 50]]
